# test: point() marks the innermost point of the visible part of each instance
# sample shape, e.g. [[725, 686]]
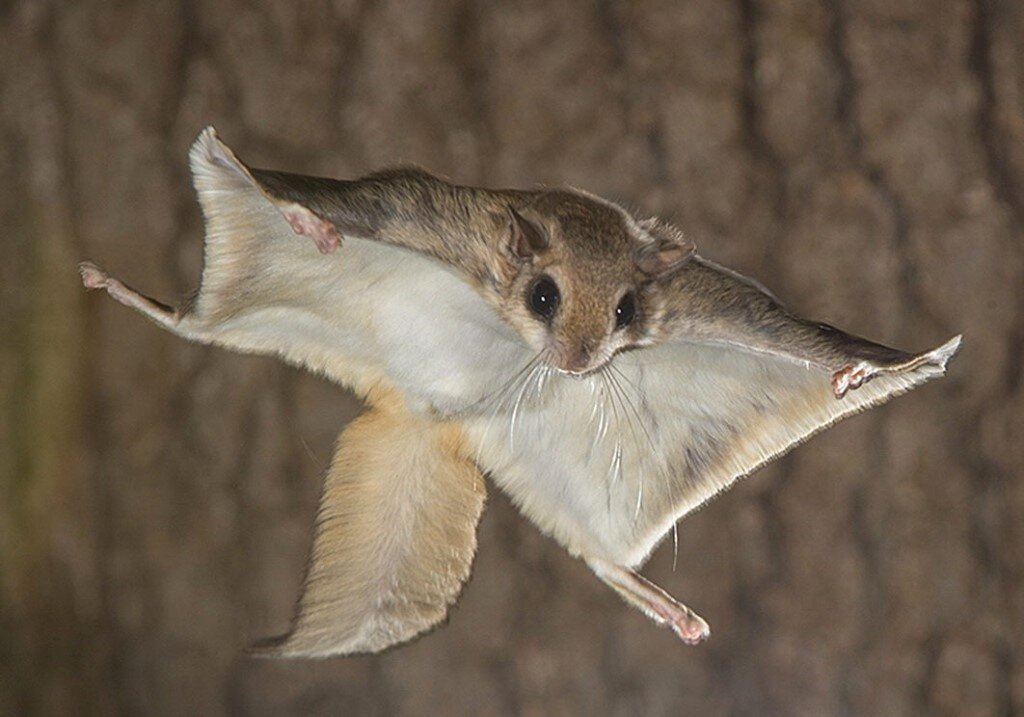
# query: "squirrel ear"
[[527, 237], [665, 251]]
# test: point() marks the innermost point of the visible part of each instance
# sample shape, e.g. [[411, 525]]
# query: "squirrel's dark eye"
[[544, 297], [625, 311]]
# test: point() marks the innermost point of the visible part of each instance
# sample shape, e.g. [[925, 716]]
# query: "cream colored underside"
[[688, 421]]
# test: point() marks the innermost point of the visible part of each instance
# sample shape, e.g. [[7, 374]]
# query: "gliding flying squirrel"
[[603, 374]]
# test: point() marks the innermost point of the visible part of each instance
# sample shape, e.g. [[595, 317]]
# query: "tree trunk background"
[[864, 159]]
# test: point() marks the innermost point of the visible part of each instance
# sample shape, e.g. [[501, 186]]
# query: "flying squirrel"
[[599, 371]]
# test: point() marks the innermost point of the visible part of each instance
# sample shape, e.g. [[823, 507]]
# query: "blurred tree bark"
[[865, 159]]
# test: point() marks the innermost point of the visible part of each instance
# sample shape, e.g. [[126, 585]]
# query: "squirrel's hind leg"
[[652, 601]]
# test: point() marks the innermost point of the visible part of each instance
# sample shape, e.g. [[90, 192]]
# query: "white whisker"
[[666, 479], [496, 401], [517, 406]]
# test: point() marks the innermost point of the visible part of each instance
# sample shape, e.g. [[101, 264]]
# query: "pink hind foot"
[[688, 626], [93, 277]]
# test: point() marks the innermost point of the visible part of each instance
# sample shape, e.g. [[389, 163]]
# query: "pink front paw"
[[851, 378], [306, 223]]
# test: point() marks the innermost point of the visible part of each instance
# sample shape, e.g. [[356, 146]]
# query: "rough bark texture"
[[865, 159]]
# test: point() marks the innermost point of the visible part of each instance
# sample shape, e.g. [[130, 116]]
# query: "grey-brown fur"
[[594, 250], [705, 301]]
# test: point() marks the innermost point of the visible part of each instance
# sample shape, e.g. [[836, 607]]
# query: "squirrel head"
[[583, 277]]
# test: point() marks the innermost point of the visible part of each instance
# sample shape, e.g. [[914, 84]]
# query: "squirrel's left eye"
[[625, 312], [545, 297]]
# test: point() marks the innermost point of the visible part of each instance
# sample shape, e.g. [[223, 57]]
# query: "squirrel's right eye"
[[544, 297]]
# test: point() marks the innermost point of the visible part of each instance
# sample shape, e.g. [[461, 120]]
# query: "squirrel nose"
[[579, 360]]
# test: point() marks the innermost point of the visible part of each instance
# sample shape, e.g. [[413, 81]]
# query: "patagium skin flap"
[[602, 373]]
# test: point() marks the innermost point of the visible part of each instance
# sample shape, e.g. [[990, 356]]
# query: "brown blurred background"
[[864, 159]]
